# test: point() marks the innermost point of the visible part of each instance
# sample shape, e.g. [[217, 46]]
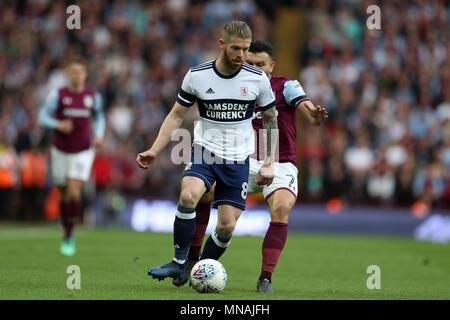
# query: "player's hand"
[[144, 159], [318, 113], [265, 174], [65, 126], [97, 143]]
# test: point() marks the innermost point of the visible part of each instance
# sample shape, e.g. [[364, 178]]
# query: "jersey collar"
[[223, 75]]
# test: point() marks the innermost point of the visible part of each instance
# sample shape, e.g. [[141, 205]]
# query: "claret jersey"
[[288, 93], [80, 107]]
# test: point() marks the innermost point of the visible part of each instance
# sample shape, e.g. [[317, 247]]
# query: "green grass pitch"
[[114, 265]]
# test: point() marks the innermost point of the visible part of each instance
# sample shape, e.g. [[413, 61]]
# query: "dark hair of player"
[[258, 46]]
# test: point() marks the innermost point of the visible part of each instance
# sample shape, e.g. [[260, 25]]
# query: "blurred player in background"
[[75, 113], [281, 195], [226, 90]]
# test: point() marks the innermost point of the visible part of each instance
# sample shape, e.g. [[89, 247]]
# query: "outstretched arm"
[[296, 97], [173, 121], [315, 114]]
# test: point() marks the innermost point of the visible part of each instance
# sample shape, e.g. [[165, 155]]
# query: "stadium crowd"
[[387, 93]]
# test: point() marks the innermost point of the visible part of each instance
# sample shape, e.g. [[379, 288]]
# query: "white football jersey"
[[226, 105]]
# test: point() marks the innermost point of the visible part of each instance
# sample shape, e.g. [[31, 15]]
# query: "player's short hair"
[[238, 29], [258, 46], [76, 59]]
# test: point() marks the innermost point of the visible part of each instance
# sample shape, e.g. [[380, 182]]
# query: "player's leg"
[[280, 197], [202, 212], [229, 198], [197, 179], [59, 169], [220, 239], [73, 196], [280, 205], [71, 210], [65, 219], [78, 171], [192, 189]]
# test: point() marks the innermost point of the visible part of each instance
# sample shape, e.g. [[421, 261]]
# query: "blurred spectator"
[[381, 183], [314, 180], [404, 178], [336, 180], [121, 118], [360, 157], [429, 184]]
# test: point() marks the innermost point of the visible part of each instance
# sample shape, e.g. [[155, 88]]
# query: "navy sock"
[[183, 231], [215, 246]]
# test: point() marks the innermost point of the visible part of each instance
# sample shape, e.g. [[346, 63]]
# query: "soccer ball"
[[208, 276]]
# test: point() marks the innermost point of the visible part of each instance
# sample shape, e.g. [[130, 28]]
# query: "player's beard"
[[229, 62]]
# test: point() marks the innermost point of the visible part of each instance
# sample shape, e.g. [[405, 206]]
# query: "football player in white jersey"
[[281, 195], [226, 91]]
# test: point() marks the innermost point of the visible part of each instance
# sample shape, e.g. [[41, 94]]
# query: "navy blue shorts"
[[231, 178]]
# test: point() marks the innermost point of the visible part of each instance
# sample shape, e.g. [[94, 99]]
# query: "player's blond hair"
[[238, 29]]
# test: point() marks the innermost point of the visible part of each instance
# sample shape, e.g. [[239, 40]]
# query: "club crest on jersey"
[[67, 100], [244, 91], [88, 101]]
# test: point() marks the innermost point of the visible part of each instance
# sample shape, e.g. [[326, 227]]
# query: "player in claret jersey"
[[69, 111], [281, 195]]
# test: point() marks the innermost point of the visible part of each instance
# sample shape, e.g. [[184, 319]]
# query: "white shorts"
[[71, 165], [285, 178]]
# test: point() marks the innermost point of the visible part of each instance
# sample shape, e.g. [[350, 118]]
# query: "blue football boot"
[[180, 282], [172, 269]]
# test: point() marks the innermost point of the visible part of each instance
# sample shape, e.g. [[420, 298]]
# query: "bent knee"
[[73, 193], [280, 211], [188, 198], [226, 229]]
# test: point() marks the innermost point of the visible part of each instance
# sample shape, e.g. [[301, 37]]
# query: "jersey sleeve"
[[266, 98], [45, 117], [186, 97], [294, 93], [98, 119]]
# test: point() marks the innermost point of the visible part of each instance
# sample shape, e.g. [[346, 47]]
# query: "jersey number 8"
[[244, 190]]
